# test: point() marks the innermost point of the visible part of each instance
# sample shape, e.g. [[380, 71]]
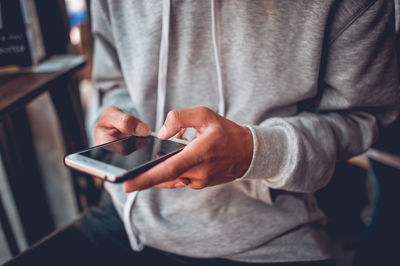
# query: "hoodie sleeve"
[[107, 73], [359, 81]]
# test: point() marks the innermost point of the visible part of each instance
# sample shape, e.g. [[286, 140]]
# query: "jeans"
[[98, 238]]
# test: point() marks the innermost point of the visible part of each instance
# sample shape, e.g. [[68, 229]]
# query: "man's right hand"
[[114, 124]]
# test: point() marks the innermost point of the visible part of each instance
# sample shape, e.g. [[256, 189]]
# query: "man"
[[297, 87], [276, 93]]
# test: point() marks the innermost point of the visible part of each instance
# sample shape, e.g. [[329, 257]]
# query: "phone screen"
[[131, 152]]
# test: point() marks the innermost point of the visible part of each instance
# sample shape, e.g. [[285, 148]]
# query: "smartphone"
[[126, 158]]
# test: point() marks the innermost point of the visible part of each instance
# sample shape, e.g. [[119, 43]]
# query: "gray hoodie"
[[313, 80]]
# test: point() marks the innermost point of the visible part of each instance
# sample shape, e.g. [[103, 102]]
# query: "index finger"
[[197, 117], [113, 117], [167, 170]]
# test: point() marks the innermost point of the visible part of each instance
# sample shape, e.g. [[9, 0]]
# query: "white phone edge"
[[102, 170]]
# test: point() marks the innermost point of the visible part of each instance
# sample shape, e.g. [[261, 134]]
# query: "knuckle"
[[127, 121], [124, 118], [106, 115], [219, 131], [103, 114], [204, 113], [173, 116]]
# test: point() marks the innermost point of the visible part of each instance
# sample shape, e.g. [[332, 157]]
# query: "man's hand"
[[221, 152], [114, 124]]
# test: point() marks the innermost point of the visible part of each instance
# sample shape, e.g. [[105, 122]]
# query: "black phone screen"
[[132, 152]]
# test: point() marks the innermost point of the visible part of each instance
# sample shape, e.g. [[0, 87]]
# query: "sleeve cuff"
[[274, 154]]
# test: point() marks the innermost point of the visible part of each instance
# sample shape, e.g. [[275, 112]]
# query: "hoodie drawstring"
[[133, 235], [163, 64], [214, 33]]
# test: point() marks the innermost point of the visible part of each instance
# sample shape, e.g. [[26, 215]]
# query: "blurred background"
[[46, 195], [55, 27]]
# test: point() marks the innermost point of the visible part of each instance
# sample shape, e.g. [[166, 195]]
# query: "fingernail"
[[142, 129], [180, 184], [162, 132]]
